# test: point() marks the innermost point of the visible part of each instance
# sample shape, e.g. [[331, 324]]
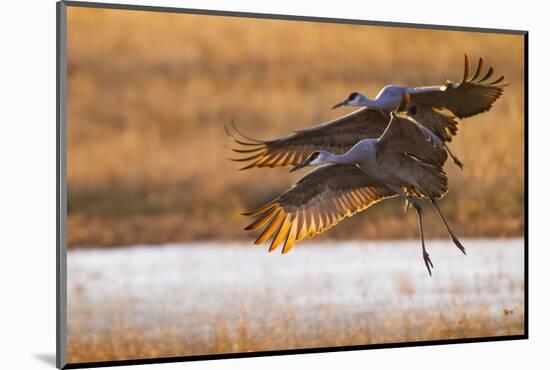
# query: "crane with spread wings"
[[438, 108], [405, 161]]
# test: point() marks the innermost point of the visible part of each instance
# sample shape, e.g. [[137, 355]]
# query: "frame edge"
[[61, 185]]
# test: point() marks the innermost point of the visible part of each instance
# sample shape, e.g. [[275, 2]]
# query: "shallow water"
[[192, 288]]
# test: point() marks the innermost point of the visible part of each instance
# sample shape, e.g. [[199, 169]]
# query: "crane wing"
[[441, 123], [405, 135], [471, 96], [336, 136], [315, 203]]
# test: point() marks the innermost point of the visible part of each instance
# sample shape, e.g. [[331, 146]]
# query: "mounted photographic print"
[[234, 184]]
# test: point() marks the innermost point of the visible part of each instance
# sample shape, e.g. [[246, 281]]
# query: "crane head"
[[316, 158], [354, 99]]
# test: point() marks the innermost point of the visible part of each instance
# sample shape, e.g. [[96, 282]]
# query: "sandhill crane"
[[471, 96], [406, 161], [436, 108]]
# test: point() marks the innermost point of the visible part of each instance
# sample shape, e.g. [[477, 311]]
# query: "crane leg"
[[451, 234], [454, 158], [418, 208], [425, 255]]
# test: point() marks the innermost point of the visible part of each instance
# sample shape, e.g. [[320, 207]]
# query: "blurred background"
[[148, 96]]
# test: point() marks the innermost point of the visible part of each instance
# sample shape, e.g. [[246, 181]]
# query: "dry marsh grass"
[[124, 342], [149, 93], [167, 301]]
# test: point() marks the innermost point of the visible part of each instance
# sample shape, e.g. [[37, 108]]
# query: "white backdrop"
[[27, 206]]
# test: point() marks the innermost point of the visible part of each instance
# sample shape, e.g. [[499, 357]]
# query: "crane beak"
[[341, 104], [300, 166]]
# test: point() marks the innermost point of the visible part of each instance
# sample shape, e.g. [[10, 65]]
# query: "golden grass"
[[149, 93], [122, 343], [328, 327]]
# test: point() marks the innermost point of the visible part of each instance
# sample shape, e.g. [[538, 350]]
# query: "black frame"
[[61, 186]]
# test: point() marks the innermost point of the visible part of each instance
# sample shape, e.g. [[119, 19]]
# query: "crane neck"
[[371, 103], [345, 158]]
